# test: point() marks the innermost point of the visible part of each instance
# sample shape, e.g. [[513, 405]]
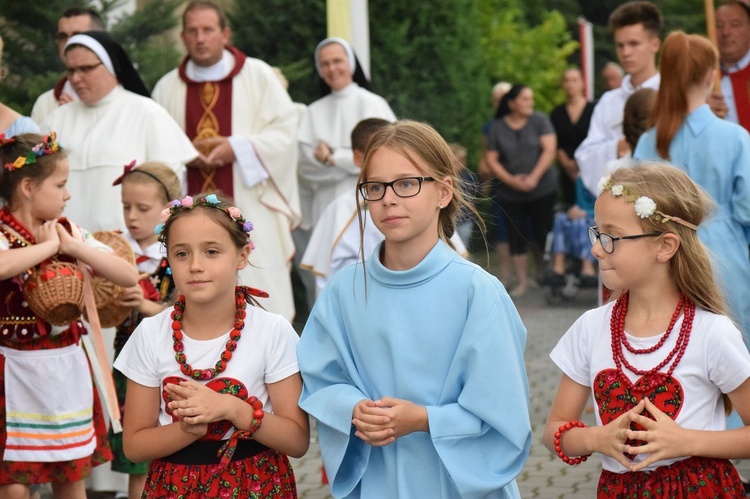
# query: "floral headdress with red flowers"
[[210, 201], [48, 145], [645, 207]]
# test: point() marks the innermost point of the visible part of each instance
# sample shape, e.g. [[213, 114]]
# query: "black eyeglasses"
[[608, 241], [403, 187], [84, 70]]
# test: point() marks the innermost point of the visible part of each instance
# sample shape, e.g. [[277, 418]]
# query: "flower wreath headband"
[[48, 145], [210, 201], [645, 207]]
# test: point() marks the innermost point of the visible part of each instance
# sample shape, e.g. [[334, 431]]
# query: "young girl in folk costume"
[[146, 191], [662, 359], [51, 422], [212, 383], [413, 362]]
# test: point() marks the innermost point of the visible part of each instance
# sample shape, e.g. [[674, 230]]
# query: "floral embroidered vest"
[[19, 326]]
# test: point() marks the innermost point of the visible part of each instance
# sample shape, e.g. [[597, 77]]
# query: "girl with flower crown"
[[672, 364], [213, 383], [51, 423]]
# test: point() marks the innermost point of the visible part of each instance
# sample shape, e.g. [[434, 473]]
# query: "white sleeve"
[[571, 355], [43, 107], [728, 360], [247, 161], [93, 242], [318, 173], [346, 249], [4, 243], [282, 361], [598, 148]]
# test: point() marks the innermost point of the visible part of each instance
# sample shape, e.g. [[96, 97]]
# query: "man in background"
[[733, 36], [241, 119], [73, 21], [612, 74], [636, 27]]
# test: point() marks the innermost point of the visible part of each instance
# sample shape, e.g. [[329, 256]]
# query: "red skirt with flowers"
[[693, 477], [62, 471], [265, 475]]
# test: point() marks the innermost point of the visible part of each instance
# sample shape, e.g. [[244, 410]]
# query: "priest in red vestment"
[[242, 120], [733, 36]]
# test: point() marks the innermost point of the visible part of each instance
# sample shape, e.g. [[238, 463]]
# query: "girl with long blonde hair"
[[661, 362], [413, 368]]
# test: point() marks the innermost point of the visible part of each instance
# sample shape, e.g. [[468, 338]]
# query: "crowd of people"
[[412, 359]]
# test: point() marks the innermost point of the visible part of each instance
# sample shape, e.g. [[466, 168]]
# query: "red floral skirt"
[[28, 473], [264, 475], [693, 477]]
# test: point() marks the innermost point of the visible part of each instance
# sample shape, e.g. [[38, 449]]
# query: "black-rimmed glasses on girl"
[[608, 241], [403, 187]]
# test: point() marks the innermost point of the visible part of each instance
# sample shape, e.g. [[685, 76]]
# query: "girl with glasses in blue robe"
[[412, 362]]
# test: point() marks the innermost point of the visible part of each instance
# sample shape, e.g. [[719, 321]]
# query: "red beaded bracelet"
[[558, 447], [258, 414]]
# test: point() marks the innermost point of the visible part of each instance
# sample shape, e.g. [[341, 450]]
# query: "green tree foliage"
[[427, 62], [426, 57], [283, 33], [143, 36], [31, 55], [517, 52]]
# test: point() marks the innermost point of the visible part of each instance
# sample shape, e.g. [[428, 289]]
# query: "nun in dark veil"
[[326, 159], [114, 122], [113, 58]]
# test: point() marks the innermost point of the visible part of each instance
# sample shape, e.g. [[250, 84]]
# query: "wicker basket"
[[55, 292], [106, 294]]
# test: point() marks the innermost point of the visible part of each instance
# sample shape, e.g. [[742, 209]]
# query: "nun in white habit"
[[325, 158], [114, 122]]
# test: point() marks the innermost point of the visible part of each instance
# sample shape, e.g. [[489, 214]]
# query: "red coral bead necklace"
[[8, 219], [231, 346], [651, 376]]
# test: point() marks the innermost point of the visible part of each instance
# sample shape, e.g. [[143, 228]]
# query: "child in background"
[[201, 374], [635, 122], [672, 362], [331, 245], [413, 362], [570, 232], [52, 429], [336, 241], [146, 191]]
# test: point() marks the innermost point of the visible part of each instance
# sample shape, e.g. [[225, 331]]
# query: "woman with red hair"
[[713, 152]]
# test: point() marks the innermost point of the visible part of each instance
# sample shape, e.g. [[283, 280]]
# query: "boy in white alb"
[[335, 240], [636, 27]]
